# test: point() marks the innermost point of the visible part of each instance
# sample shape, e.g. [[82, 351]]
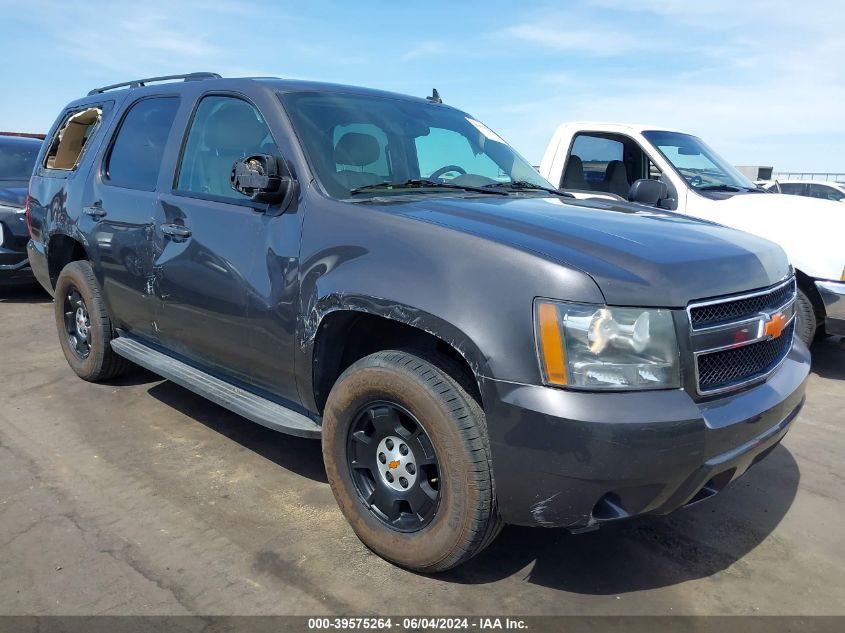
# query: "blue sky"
[[763, 82]]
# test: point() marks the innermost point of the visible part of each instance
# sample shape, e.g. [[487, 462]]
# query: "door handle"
[[178, 232], [97, 212]]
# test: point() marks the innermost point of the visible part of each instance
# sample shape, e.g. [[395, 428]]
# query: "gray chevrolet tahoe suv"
[[383, 272]]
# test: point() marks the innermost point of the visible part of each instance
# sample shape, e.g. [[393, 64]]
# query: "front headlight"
[[598, 347]]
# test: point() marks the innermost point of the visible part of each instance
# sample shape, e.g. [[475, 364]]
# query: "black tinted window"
[[825, 193], [135, 158], [224, 130], [792, 188]]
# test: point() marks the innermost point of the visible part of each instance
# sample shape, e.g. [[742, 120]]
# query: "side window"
[[135, 157], [596, 153], [825, 192], [601, 165], [224, 129], [349, 142], [792, 188], [68, 145], [442, 148]]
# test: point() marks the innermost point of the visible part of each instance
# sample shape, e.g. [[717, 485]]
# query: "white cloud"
[[578, 38], [430, 48]]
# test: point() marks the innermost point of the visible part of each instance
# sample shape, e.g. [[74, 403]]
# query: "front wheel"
[[408, 459], [806, 320]]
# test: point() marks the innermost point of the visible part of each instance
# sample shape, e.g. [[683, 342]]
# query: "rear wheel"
[[408, 460], [85, 330]]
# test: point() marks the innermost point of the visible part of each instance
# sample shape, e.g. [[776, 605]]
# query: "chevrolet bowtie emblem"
[[775, 325]]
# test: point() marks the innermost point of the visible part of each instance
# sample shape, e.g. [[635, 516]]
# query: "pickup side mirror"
[[260, 177], [647, 191]]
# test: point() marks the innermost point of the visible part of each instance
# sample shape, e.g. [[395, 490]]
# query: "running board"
[[253, 407]]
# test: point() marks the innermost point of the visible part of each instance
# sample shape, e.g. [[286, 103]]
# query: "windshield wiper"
[[524, 185], [719, 188], [420, 183]]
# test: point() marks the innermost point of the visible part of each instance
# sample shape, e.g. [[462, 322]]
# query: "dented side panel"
[[379, 260]]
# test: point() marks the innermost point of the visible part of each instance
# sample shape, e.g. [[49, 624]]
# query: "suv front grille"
[[724, 312], [742, 364], [732, 340]]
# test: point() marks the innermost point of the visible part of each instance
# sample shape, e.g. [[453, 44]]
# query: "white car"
[[821, 189], [606, 160]]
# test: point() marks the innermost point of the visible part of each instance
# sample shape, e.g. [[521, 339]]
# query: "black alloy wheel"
[[77, 323], [394, 466]]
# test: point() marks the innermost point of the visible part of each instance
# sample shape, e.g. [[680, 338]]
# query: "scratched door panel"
[[123, 239]]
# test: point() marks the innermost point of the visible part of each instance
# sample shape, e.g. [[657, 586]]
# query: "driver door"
[[209, 239]]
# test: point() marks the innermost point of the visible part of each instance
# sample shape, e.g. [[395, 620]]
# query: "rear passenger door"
[[121, 207], [210, 237]]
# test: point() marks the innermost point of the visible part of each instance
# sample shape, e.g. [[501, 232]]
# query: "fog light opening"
[[714, 485], [609, 508]]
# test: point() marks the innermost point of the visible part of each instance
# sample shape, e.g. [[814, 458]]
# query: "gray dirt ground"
[[139, 497]]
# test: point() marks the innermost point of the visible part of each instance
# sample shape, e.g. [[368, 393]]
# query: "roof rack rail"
[[137, 83]]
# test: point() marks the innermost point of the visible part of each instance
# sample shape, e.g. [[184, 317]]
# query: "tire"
[[806, 320], [464, 519], [76, 289]]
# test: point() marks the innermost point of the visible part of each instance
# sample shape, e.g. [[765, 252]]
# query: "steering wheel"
[[696, 181], [435, 175]]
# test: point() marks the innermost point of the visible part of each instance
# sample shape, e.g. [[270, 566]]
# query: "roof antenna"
[[435, 96]]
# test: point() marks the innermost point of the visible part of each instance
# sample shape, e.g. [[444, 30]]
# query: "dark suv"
[[473, 346], [17, 159]]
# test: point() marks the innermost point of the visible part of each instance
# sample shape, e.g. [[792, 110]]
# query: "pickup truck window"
[[135, 157], [601, 163], [223, 130], [700, 166], [425, 140]]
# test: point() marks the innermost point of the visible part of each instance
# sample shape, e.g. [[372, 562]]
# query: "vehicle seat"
[[356, 150], [230, 133], [573, 176], [616, 179]]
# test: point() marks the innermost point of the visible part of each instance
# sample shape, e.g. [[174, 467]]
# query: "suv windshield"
[[356, 143], [699, 165], [17, 158]]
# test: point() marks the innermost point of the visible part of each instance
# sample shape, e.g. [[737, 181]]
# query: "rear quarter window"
[[72, 138]]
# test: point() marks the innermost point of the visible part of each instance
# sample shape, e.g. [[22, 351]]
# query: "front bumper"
[[833, 295], [574, 459]]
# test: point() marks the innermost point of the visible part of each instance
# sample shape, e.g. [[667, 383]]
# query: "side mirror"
[[260, 178], [647, 191]]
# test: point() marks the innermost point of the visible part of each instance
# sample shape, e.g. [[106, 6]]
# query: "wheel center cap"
[[396, 463], [81, 323]]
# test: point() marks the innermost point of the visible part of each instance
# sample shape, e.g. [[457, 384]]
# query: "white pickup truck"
[[630, 161]]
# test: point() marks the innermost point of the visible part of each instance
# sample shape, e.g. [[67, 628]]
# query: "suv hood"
[[638, 256]]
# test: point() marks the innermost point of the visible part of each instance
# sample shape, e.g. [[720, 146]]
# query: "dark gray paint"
[[244, 297]]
